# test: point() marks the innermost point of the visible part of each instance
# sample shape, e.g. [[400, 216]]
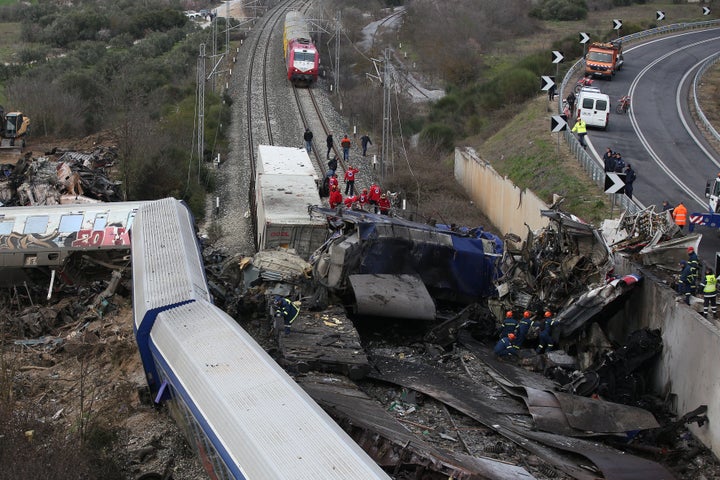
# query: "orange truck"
[[603, 59]]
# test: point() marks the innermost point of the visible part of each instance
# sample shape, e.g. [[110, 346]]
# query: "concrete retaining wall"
[[689, 369], [508, 207]]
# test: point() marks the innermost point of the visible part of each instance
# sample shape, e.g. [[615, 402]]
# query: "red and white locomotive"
[[301, 56]]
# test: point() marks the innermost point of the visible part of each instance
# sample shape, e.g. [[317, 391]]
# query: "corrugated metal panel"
[[167, 268], [263, 419]]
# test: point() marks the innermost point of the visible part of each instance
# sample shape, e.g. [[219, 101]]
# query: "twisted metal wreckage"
[[391, 267], [652, 237]]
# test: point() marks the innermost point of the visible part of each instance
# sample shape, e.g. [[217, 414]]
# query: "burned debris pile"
[[553, 266], [60, 177]]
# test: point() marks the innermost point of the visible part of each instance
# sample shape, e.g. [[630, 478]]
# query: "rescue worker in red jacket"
[[350, 175], [364, 198], [349, 201], [384, 204], [334, 182], [375, 193], [335, 198]]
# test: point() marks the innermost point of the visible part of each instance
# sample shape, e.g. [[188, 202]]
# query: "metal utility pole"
[[337, 56], [214, 48], [227, 31], [201, 106], [387, 115]]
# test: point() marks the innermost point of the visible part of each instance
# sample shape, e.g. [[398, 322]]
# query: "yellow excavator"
[[14, 127]]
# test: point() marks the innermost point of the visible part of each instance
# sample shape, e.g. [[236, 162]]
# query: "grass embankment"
[[525, 151]]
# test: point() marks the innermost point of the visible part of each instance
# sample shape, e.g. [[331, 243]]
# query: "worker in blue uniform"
[[694, 263], [546, 340], [686, 281], [523, 327], [286, 310], [506, 346], [509, 324]]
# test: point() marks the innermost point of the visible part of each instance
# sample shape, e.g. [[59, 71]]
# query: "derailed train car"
[[455, 265], [301, 56], [243, 414]]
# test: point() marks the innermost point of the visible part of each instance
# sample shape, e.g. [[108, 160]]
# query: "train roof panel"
[[296, 26], [167, 267], [285, 198], [284, 160], [265, 424]]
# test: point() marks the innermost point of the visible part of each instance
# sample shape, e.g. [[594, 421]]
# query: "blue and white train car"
[[245, 416]]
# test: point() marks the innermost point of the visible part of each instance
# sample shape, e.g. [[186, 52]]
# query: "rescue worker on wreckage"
[[509, 324], [286, 310], [523, 327], [507, 346], [546, 340], [686, 282]]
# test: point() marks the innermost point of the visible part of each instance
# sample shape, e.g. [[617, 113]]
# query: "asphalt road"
[[658, 137]]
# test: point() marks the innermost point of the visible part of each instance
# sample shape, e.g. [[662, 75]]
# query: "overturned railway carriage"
[[243, 414], [47, 235], [301, 57]]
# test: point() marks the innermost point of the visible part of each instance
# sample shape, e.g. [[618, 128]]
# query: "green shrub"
[[440, 135], [563, 10]]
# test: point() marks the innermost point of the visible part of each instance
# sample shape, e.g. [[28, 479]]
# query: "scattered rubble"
[[651, 237], [422, 393], [60, 177]]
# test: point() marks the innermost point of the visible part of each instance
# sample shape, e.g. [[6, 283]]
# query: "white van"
[[593, 107]]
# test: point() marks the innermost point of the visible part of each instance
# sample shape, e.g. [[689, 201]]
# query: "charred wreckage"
[[400, 304], [442, 287]]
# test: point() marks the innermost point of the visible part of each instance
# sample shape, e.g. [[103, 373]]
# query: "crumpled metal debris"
[[616, 377], [54, 178], [652, 236], [554, 264]]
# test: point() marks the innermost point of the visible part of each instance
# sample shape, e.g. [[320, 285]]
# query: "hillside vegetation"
[[125, 67], [489, 63]]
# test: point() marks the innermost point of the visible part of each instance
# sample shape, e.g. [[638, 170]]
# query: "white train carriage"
[[167, 269], [248, 418], [274, 160], [245, 416]]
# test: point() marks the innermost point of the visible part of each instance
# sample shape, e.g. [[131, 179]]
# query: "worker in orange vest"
[[680, 215]]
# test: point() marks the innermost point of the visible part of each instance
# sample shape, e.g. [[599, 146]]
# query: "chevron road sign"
[[548, 82], [706, 11], [584, 37], [617, 24], [659, 15], [614, 182], [557, 56], [558, 123]]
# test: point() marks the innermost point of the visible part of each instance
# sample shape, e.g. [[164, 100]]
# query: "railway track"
[[257, 85], [306, 96]]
